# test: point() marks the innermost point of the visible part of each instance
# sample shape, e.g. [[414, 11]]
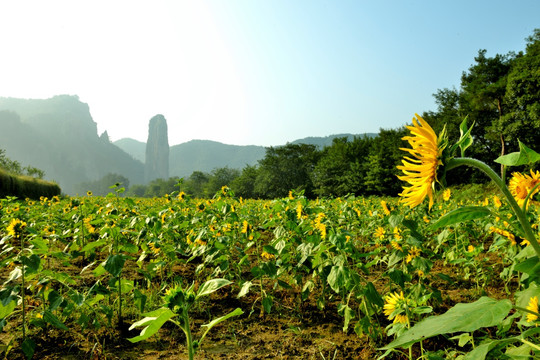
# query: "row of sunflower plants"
[[88, 262]]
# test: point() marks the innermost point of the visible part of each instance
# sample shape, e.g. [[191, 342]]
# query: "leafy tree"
[[161, 187], [196, 183], [384, 156], [102, 186], [244, 185], [341, 168], [521, 121], [218, 178], [15, 167], [286, 168]]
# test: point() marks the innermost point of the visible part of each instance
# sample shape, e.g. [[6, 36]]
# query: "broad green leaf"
[[28, 347], [245, 289], [372, 295], [525, 156], [94, 244], [114, 264], [465, 213], [214, 322], [154, 324], [267, 303], [480, 352], [31, 262], [7, 309], [61, 277], [338, 277], [484, 312], [53, 320], [530, 266], [210, 286], [348, 313], [130, 248]]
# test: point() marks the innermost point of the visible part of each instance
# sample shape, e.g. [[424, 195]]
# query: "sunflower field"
[[346, 278]]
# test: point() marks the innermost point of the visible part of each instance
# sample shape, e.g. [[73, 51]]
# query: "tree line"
[[500, 94]]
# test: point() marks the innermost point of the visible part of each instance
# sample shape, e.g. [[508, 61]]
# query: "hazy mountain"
[[206, 155], [133, 147], [321, 142], [58, 135]]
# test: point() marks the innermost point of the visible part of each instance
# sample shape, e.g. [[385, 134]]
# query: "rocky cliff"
[[59, 136], [157, 150]]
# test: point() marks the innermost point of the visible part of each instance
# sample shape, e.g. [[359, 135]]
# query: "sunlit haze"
[[251, 72]]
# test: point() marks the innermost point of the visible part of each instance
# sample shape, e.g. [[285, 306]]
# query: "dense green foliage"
[[23, 182], [22, 186], [103, 186], [501, 95]]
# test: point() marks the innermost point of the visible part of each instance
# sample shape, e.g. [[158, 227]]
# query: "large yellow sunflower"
[[420, 171], [521, 184]]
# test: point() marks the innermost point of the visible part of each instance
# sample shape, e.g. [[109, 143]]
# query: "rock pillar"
[[157, 150]]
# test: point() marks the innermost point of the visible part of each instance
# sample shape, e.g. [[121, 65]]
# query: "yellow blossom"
[[394, 307], [504, 233], [379, 233], [267, 256], [420, 171], [533, 306], [412, 253], [520, 185], [385, 208], [16, 227], [245, 227], [496, 201], [446, 194]]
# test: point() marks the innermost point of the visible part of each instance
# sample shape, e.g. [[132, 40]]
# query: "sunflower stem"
[[520, 213]]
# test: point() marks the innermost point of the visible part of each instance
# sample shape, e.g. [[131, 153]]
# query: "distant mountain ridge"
[[207, 155], [59, 136]]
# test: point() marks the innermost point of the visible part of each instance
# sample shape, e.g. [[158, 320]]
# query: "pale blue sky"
[[251, 71]]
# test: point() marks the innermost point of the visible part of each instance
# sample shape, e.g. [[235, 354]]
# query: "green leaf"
[[210, 286], [465, 139], [245, 289], [338, 277], [53, 320], [154, 324], [92, 245], [114, 264], [31, 262], [267, 303], [348, 313], [530, 266], [214, 322], [465, 213], [525, 156], [484, 312], [7, 309], [372, 295], [28, 347]]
